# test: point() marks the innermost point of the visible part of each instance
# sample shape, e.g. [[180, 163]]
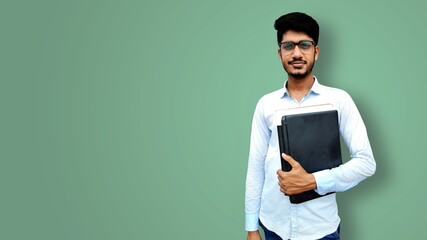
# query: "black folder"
[[313, 140]]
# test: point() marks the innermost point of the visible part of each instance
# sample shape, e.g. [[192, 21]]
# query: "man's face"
[[299, 61]]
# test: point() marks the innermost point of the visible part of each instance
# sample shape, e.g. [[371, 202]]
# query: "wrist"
[[311, 182], [254, 235]]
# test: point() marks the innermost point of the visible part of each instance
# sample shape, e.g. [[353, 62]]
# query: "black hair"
[[299, 22]]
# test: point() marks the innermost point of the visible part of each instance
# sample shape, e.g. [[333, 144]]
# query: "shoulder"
[[270, 101], [272, 96], [334, 90], [338, 94]]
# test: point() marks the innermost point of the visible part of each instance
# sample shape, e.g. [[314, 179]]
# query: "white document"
[[306, 109]]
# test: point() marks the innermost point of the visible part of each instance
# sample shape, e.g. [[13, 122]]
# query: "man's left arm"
[[362, 163]]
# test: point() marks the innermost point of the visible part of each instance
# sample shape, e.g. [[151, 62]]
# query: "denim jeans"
[[269, 235]]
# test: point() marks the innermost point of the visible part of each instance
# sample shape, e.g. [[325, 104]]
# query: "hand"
[[254, 235], [297, 180]]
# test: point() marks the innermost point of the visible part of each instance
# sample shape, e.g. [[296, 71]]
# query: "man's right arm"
[[260, 137]]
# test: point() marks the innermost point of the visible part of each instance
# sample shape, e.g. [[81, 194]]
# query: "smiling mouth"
[[297, 62]]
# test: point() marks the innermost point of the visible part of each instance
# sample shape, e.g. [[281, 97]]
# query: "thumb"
[[290, 160]]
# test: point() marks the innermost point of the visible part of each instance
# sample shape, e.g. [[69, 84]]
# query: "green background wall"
[[131, 119]]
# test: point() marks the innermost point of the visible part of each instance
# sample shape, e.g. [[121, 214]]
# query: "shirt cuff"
[[252, 222], [325, 181]]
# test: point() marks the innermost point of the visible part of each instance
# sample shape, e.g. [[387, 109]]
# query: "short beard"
[[299, 76]]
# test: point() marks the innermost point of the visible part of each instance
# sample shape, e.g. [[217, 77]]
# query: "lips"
[[297, 63]]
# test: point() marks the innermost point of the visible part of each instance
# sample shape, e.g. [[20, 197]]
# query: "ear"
[[279, 53], [316, 52]]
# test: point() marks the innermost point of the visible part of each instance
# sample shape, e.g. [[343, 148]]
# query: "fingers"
[[290, 160], [282, 183], [282, 187]]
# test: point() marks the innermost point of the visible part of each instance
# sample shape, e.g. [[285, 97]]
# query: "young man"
[[266, 204]]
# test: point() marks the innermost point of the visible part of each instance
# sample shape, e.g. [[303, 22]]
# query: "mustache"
[[297, 60]]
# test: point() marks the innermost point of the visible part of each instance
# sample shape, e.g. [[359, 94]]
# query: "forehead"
[[295, 36]]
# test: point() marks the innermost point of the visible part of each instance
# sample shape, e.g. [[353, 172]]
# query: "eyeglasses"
[[304, 46]]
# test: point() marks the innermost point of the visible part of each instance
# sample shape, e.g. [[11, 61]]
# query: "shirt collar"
[[316, 88]]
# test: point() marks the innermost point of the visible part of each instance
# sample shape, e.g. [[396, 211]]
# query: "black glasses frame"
[[292, 45]]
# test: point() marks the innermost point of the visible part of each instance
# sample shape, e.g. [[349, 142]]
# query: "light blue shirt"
[[263, 199]]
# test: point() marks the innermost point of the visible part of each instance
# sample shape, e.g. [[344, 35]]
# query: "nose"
[[296, 53]]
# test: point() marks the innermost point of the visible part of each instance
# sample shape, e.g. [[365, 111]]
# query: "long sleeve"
[[260, 137], [362, 163]]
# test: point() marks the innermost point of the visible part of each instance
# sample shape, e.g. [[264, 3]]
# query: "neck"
[[300, 84], [299, 87]]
